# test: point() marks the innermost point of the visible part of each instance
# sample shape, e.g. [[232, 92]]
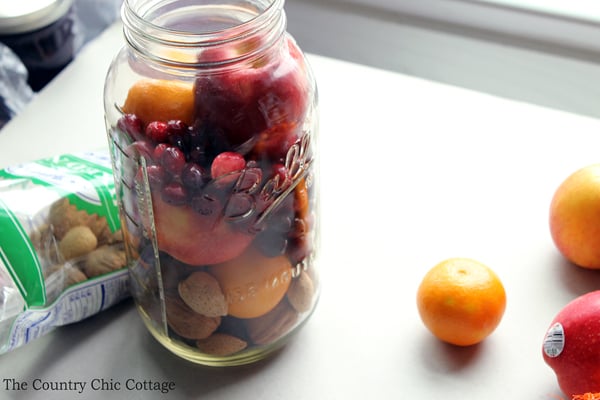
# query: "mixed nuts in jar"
[[212, 120]]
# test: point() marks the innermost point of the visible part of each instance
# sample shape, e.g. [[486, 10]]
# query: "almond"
[[186, 322], [202, 293], [221, 344]]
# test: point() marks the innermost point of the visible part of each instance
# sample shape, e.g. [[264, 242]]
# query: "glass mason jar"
[[211, 114]]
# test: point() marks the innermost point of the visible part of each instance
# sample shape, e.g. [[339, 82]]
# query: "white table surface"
[[413, 172]]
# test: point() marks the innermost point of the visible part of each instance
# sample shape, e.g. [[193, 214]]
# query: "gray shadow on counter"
[[62, 356], [576, 280], [443, 358]]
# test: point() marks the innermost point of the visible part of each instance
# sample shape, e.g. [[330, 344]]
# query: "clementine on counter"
[[461, 301], [575, 217]]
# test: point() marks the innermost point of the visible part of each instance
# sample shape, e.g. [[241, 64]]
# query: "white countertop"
[[413, 172]]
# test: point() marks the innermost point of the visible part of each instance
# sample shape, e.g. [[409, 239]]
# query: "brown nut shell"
[[221, 344], [186, 322], [104, 259], [99, 225], [202, 293], [301, 292], [273, 325], [74, 275], [63, 216]]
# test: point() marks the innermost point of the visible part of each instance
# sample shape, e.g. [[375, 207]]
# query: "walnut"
[[63, 216], [99, 226], [104, 259], [74, 275]]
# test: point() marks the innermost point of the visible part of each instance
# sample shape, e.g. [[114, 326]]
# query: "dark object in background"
[[42, 33]]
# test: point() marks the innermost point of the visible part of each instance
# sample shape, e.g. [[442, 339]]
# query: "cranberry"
[[197, 154], [178, 141], [175, 194], [132, 125], [226, 163], [177, 127], [157, 131], [173, 160], [193, 176], [158, 151], [156, 176], [140, 148]]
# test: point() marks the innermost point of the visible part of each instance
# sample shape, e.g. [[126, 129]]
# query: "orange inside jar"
[[211, 114]]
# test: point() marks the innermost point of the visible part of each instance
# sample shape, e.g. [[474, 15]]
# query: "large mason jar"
[[211, 116]]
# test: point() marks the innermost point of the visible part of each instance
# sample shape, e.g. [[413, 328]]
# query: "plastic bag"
[[61, 250], [15, 93]]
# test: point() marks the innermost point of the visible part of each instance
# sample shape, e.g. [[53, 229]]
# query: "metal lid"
[[18, 16]]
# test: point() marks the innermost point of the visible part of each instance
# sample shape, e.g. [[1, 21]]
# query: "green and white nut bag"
[[46, 207]]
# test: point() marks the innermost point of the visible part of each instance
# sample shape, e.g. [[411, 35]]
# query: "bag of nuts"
[[61, 249]]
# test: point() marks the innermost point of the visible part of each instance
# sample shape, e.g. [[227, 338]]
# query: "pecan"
[[273, 325]]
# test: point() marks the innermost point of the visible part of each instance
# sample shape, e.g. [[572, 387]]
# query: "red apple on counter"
[[572, 345], [575, 217]]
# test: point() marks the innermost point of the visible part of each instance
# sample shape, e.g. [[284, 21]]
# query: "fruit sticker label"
[[554, 342]]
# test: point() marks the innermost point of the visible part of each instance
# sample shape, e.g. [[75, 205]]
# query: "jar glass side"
[[213, 141]]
